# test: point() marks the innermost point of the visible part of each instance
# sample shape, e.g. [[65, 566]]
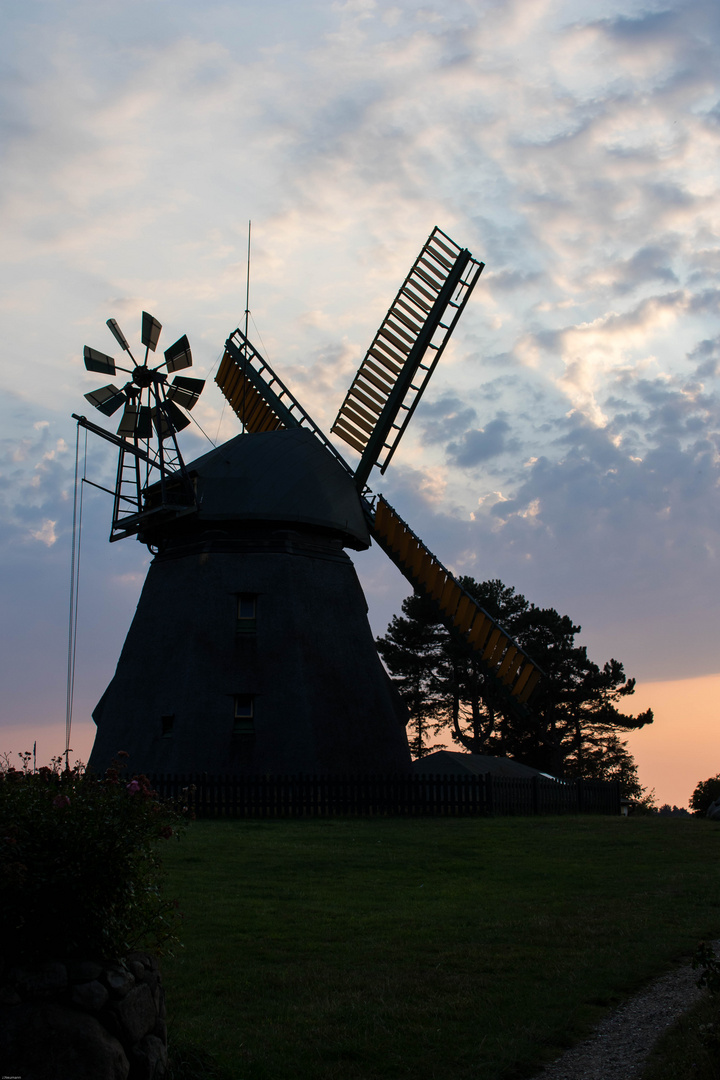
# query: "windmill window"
[[244, 721], [166, 723], [246, 613]]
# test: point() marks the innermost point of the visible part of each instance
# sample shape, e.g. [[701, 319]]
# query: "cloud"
[[480, 444], [707, 356], [641, 517], [647, 265], [46, 534], [508, 281], [441, 419]]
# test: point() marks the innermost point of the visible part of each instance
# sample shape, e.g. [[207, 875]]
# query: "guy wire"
[[247, 316], [74, 584]]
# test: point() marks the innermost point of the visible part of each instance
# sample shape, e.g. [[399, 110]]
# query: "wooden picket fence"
[[411, 794]]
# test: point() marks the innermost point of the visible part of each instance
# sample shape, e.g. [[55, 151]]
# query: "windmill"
[[153, 410], [250, 650]]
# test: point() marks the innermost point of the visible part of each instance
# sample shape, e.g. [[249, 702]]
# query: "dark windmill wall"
[[250, 650]]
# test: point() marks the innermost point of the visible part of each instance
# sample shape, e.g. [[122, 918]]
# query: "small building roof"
[[456, 763]]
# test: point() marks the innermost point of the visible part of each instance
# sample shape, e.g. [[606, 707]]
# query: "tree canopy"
[[571, 725], [706, 793]]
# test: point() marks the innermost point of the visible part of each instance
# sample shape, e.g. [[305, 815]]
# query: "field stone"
[[149, 1059], [119, 981], [41, 979], [136, 1013], [142, 958], [90, 995], [137, 969], [83, 971], [48, 1042], [152, 974]]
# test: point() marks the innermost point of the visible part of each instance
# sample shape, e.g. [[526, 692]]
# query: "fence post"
[[489, 808]]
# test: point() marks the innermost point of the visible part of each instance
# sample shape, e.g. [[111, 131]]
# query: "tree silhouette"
[[571, 727], [706, 793]]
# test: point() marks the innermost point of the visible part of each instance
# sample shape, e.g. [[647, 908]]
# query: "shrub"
[[704, 794], [79, 863]]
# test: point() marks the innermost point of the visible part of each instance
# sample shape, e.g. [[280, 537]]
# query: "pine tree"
[[571, 728], [411, 651]]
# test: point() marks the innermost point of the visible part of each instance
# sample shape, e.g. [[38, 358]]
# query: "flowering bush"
[[80, 871]]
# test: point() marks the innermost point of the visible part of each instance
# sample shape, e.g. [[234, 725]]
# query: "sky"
[[568, 442]]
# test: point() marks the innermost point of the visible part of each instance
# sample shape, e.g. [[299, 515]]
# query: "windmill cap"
[[280, 477]]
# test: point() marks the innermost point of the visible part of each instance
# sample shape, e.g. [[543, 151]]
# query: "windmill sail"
[[390, 381], [394, 374], [98, 361], [254, 392], [503, 657], [258, 397]]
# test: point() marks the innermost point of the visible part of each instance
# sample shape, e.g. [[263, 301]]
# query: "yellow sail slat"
[[394, 340], [493, 658], [490, 644], [463, 617], [403, 545], [529, 686], [369, 373], [349, 435], [522, 678], [370, 400], [506, 662], [479, 630], [385, 355], [352, 414], [438, 257], [450, 596], [439, 583], [433, 270], [432, 284], [514, 667]]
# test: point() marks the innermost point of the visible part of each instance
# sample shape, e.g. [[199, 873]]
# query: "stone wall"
[[83, 1020]]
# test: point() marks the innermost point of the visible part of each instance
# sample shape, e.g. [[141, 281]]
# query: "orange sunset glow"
[[682, 746]]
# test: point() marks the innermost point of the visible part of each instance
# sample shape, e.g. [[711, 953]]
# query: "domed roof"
[[280, 477]]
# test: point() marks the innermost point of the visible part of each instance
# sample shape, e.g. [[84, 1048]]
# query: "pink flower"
[[61, 801], [133, 787]]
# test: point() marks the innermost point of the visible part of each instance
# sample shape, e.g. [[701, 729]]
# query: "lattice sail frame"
[[260, 399], [392, 378]]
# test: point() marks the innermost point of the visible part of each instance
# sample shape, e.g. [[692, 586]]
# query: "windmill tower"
[[250, 650]]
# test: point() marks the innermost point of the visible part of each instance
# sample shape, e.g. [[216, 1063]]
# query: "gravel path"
[[619, 1047]]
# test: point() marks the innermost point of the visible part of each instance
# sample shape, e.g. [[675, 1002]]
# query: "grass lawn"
[[690, 1050], [432, 949]]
